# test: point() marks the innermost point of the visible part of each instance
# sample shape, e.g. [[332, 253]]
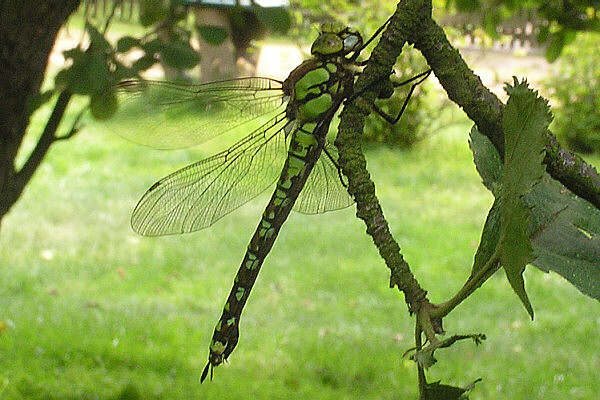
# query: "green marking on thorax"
[[315, 107], [310, 82], [331, 68], [304, 136], [308, 128], [333, 89], [231, 321]]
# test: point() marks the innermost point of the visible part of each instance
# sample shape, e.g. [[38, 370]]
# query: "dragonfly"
[[290, 150]]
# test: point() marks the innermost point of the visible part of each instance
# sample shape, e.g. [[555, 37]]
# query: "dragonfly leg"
[[337, 166], [416, 81], [365, 44]]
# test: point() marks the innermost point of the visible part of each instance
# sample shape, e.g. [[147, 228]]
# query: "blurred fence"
[[125, 9], [518, 32]]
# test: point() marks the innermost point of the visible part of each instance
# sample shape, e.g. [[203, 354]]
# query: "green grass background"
[[90, 310]]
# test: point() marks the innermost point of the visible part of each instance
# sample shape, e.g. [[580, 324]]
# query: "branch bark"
[[353, 164], [28, 30], [412, 23], [465, 88]]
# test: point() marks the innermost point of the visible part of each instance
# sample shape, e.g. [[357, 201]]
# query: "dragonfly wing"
[[167, 115], [196, 196], [326, 188]]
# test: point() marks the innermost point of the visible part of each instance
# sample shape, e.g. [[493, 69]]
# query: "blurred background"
[[91, 310]]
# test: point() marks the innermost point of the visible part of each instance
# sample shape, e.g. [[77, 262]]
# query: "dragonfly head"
[[336, 39]]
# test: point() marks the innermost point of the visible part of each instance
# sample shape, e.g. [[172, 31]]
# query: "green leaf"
[[491, 22], [40, 99], [179, 55], [468, 5], [557, 43], [99, 42], [153, 46], [489, 238], [143, 63], [212, 34], [565, 232], [152, 11], [487, 160], [564, 229], [127, 43], [543, 34], [525, 120], [89, 74], [437, 391], [123, 72], [104, 105], [276, 19]]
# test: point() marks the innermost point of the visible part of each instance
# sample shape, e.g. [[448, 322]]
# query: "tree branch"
[[483, 107], [353, 164], [46, 140]]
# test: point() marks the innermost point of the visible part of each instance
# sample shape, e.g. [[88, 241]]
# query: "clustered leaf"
[[525, 120], [564, 230], [439, 391]]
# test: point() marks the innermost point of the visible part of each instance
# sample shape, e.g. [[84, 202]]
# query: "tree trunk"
[[28, 30]]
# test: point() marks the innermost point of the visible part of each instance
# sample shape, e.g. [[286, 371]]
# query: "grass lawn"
[[90, 310]]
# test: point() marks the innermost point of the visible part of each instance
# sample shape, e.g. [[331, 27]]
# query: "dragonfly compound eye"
[[327, 44], [352, 43]]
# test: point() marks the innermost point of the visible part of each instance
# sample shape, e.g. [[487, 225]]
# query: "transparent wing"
[[196, 196], [167, 115], [324, 190]]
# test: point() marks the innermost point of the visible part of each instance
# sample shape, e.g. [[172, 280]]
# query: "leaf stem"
[[473, 283]]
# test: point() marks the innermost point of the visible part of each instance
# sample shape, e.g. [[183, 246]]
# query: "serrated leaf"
[[487, 160], [564, 229], [212, 34], [437, 391], [489, 238], [275, 19], [525, 120]]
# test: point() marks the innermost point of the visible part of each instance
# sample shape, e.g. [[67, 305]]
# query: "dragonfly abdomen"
[[303, 152]]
